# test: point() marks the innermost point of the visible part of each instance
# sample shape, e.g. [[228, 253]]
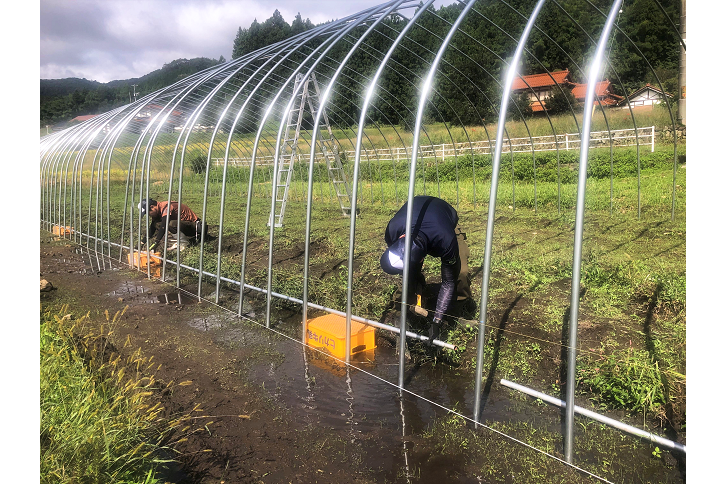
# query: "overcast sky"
[[105, 40]]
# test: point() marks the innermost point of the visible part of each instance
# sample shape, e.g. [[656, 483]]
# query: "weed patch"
[[627, 378], [101, 419]]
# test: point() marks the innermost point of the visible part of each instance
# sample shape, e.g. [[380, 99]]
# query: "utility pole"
[[682, 70], [134, 85]]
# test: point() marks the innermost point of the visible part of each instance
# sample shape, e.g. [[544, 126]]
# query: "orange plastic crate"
[[139, 259], [58, 230], [328, 332]]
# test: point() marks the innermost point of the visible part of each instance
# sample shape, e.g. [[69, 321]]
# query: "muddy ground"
[[248, 441], [278, 418]]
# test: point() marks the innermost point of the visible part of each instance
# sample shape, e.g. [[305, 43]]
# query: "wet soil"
[[283, 413]]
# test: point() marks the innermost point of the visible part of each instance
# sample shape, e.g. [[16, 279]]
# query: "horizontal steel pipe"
[[669, 444], [369, 322]]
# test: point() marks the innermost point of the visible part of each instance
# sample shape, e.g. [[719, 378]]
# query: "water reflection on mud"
[[379, 423]]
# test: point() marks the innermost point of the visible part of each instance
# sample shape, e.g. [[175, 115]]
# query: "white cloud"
[[105, 40]]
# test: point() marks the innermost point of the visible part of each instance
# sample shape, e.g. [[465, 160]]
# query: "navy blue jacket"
[[434, 222]]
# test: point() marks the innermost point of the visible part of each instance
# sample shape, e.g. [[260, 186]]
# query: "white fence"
[[568, 141]]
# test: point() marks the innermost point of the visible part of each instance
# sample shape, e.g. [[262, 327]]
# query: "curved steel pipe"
[[496, 159], [423, 98], [592, 78]]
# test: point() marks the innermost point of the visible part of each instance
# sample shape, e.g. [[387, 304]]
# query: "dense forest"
[[644, 48]]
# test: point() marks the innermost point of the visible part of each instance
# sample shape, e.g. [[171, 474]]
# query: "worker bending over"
[[435, 232], [190, 226]]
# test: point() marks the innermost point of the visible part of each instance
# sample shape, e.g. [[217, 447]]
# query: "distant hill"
[[50, 88], [63, 99]]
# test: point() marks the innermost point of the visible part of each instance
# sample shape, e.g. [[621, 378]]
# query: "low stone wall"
[[665, 133]]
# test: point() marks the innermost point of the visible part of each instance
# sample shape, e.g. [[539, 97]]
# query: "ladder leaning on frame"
[[289, 148]]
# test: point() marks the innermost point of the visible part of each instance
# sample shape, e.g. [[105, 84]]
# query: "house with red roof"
[[80, 119], [602, 93], [539, 87]]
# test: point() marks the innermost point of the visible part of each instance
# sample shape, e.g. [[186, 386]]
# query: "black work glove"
[[434, 331]]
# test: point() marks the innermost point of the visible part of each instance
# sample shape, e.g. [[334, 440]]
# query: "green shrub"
[[198, 164]]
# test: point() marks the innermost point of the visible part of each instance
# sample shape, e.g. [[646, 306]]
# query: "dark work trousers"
[[191, 231], [463, 285]]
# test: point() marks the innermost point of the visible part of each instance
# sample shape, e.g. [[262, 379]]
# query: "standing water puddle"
[[370, 414], [131, 292], [389, 433]]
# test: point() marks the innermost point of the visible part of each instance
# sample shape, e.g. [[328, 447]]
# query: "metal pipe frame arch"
[[579, 223], [416, 75], [159, 120], [333, 108], [226, 158], [496, 160], [321, 109], [334, 40], [54, 165], [369, 93], [375, 125], [64, 155], [193, 120], [652, 70], [424, 93], [433, 106], [670, 111], [524, 121], [252, 165], [494, 79]]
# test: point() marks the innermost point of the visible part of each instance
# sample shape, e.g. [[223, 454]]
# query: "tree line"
[[644, 49], [473, 67]]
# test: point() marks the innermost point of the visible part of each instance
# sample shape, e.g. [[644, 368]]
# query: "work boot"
[[434, 331]]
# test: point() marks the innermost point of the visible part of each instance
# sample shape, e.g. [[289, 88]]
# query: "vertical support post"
[[682, 69], [496, 162], [425, 90], [652, 139], [579, 222], [356, 169], [322, 102]]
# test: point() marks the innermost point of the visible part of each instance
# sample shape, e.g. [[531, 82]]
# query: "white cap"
[[395, 260]]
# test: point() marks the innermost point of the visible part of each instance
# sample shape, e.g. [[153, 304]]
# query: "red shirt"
[[187, 215]]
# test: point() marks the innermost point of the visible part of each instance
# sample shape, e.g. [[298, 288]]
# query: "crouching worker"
[[435, 232], [190, 226]]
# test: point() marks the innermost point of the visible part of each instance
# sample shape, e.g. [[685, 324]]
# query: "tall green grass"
[[100, 420]]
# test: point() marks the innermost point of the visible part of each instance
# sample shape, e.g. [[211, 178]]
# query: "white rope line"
[[514, 439]]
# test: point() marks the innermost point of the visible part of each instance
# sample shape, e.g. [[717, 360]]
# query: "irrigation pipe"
[[600, 418], [285, 297]]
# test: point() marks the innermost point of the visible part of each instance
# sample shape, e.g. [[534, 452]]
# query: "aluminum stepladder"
[[328, 149]]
